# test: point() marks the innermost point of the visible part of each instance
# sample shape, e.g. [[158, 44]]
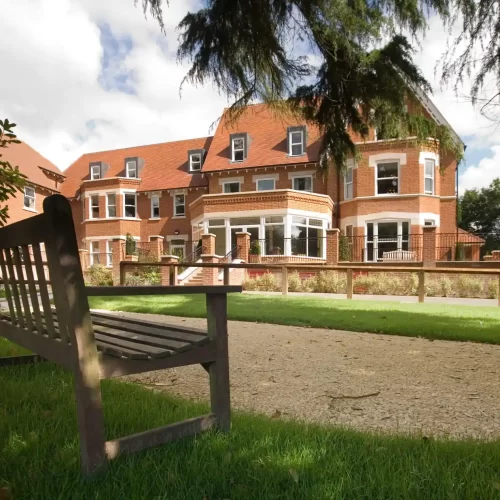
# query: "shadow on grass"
[[437, 322], [259, 458]]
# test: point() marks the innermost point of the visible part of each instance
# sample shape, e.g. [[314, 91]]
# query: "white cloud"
[[481, 175], [54, 90], [52, 84]]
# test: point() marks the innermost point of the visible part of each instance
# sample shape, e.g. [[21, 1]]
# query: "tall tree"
[[250, 49], [480, 210], [11, 179]]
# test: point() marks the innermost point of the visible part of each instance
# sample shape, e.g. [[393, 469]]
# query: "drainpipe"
[[337, 203]]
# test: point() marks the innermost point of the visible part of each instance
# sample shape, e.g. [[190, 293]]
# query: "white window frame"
[[297, 177], [128, 167], [109, 253], [351, 231], [197, 162], [91, 197], [429, 222], [231, 182], [234, 150], [300, 143], [432, 177], [383, 162], [155, 202], [265, 179], [108, 205], [93, 175], [179, 204], [93, 252], [124, 205], [375, 238], [349, 184], [29, 197]]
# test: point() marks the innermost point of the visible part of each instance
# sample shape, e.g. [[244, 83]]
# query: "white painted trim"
[[32, 210], [95, 238], [177, 237], [136, 206], [106, 204], [156, 236], [377, 179], [415, 218], [150, 194], [102, 192], [173, 192], [303, 173], [428, 155], [175, 216], [228, 180], [387, 157], [351, 163], [393, 196], [90, 207], [151, 198], [263, 177], [261, 192], [111, 219]]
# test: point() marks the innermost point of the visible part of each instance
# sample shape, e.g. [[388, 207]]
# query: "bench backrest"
[[27, 277]]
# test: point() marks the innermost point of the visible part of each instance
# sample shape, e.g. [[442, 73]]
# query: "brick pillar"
[[243, 246], [332, 246], [210, 274], [84, 258], [488, 258], [208, 243], [156, 246], [495, 255], [116, 249], [165, 270], [429, 246]]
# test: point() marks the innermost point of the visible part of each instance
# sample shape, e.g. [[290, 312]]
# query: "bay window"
[[348, 184], [307, 236], [109, 253], [386, 236], [155, 206], [111, 205], [274, 235], [302, 183], [266, 184], [232, 187], [387, 181], [94, 253], [94, 206]]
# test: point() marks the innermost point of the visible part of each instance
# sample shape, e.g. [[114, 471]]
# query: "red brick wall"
[[17, 211]]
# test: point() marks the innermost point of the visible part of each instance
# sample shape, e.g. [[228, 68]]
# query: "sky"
[[88, 75]]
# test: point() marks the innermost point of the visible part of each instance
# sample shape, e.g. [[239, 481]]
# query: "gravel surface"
[[359, 380]]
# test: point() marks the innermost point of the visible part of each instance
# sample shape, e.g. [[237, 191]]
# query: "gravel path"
[[410, 385]]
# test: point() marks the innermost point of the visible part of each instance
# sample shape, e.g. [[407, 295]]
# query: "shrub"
[[255, 248], [469, 287], [264, 283], [146, 276], [130, 245], [294, 282], [493, 289], [446, 287], [326, 282], [98, 275]]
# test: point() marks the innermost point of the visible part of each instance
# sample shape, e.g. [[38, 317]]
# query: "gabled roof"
[[165, 166], [37, 169], [268, 140]]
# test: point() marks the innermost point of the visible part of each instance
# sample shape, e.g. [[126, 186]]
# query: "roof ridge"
[[145, 146]]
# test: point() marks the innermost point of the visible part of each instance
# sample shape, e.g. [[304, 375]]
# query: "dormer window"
[[131, 169], [297, 139], [195, 157], [95, 171], [239, 147]]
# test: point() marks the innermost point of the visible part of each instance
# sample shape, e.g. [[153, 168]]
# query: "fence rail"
[[348, 269]]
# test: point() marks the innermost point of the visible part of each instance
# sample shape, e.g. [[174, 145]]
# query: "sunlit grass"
[[432, 321]]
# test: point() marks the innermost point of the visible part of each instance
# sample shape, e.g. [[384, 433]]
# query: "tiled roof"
[[165, 166], [469, 237], [30, 163], [268, 140]]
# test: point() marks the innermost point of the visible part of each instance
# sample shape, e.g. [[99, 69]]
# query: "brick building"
[[43, 179], [261, 175]]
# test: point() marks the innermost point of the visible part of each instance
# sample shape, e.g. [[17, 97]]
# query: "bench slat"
[[44, 296], [32, 288], [7, 287], [151, 329], [22, 288], [15, 291], [150, 351], [119, 351]]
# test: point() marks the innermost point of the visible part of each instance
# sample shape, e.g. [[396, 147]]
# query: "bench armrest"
[[106, 291]]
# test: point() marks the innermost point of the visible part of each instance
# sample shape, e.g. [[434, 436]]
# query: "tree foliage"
[[11, 179], [480, 210], [264, 50]]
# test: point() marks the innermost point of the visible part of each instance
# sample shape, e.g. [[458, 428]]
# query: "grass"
[[259, 458], [432, 321]]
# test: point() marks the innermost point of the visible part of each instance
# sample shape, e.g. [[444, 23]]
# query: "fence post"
[[122, 273], [421, 286], [284, 280], [226, 275], [349, 283]]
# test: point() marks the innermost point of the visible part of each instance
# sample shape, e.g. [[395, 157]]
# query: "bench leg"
[[219, 369], [21, 360], [90, 422]]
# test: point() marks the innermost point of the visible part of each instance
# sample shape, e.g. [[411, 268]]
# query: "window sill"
[[110, 219], [33, 210], [155, 218], [295, 156], [178, 217], [236, 161]]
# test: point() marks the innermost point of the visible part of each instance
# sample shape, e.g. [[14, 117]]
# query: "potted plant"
[[254, 253]]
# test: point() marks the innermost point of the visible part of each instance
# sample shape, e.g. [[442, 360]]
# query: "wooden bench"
[[96, 345]]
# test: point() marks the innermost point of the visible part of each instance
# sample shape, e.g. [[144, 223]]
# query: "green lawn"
[[260, 458], [432, 321]]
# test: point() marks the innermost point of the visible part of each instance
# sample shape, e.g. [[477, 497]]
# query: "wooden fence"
[[348, 269]]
